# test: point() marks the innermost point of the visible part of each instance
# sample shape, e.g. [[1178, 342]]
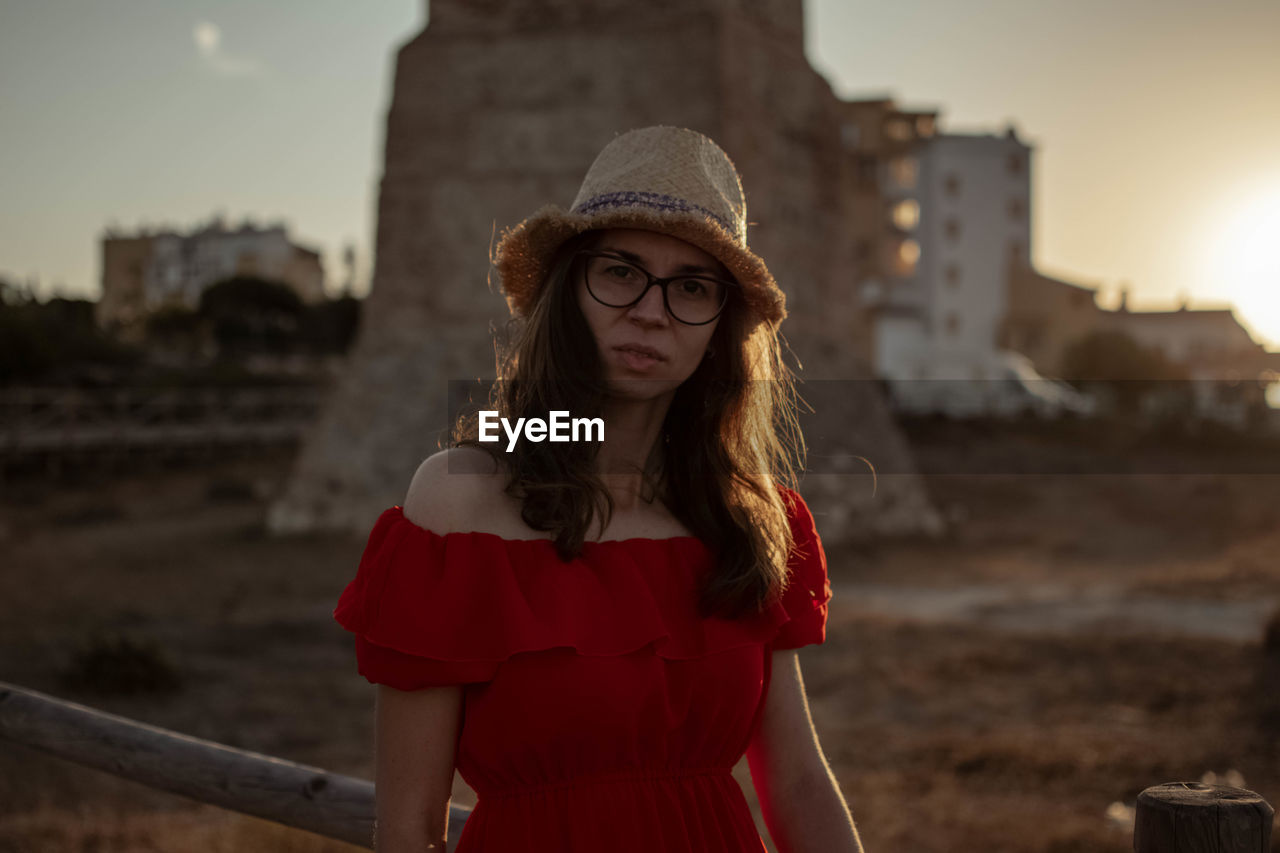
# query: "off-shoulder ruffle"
[[435, 609]]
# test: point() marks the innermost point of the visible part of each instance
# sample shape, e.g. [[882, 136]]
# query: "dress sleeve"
[[809, 588], [408, 606], [382, 665]]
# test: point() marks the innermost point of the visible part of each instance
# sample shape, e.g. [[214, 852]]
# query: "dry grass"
[[952, 738], [52, 806], [96, 827], [944, 737]]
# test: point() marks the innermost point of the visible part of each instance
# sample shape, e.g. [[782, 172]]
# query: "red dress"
[[600, 711]]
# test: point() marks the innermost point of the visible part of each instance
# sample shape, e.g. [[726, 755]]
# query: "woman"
[[594, 632]]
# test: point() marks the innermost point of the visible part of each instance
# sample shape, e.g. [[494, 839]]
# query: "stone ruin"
[[499, 106]]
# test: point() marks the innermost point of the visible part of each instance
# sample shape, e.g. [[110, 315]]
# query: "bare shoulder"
[[454, 489]]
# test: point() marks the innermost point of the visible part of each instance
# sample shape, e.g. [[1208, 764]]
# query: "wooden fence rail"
[[296, 795], [1172, 818]]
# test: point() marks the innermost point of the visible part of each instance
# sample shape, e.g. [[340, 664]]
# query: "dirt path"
[[1043, 608]]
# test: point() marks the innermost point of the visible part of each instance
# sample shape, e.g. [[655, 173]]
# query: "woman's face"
[[647, 325]]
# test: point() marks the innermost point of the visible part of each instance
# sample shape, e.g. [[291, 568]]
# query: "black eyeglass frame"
[[654, 280]]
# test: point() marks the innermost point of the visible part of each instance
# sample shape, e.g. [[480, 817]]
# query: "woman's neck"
[[633, 443]]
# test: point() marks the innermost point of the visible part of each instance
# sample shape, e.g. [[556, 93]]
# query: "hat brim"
[[523, 255]]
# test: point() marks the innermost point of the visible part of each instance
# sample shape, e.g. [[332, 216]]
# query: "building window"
[[903, 171], [952, 229], [897, 129], [952, 185], [1017, 209], [906, 257], [849, 134], [953, 324], [953, 275], [1015, 164], [866, 170], [906, 214]]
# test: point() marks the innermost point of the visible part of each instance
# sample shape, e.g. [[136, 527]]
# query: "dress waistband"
[[603, 779]]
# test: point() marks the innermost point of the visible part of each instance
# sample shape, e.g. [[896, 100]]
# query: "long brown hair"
[[730, 434]]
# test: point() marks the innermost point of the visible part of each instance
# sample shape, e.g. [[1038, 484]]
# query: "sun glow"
[[1243, 258]]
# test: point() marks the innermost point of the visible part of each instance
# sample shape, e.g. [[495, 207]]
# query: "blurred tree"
[[246, 314], [249, 293], [172, 322], [176, 331], [1128, 372], [57, 341], [249, 314], [25, 353], [330, 326], [53, 341]]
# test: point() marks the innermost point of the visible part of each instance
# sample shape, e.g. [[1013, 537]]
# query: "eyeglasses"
[[694, 300]]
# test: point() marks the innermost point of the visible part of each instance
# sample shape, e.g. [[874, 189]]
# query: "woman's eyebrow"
[[636, 259]]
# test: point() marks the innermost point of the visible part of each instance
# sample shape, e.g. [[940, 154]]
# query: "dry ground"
[[944, 737]]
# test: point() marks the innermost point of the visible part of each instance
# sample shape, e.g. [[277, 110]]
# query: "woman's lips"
[[637, 360]]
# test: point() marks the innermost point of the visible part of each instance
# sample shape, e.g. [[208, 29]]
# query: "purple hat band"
[[656, 201]]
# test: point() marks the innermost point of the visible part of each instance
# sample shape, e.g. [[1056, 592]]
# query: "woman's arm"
[[799, 797], [415, 735], [416, 731]]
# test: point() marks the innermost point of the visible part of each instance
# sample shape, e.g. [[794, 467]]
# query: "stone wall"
[[499, 108]]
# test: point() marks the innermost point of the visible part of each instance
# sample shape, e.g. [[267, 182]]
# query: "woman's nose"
[[651, 306]]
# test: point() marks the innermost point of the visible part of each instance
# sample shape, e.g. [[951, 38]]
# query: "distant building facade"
[[1207, 338], [975, 227], [1045, 316], [144, 272], [944, 219], [941, 233], [877, 138], [1221, 359]]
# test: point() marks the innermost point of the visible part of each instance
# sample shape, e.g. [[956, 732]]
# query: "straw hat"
[[666, 179]]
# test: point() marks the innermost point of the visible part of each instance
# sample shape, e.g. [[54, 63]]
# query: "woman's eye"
[[693, 287], [620, 272]]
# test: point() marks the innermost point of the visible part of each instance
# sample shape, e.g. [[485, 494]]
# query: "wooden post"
[[1188, 817], [295, 795]]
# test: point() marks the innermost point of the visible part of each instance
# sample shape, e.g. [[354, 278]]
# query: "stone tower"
[[499, 107]]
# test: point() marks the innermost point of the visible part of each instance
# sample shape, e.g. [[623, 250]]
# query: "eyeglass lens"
[[693, 299]]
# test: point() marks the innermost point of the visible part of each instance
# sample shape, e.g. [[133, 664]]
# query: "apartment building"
[[149, 270], [944, 219]]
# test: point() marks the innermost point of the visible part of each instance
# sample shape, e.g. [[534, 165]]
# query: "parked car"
[[1014, 389], [1021, 390]]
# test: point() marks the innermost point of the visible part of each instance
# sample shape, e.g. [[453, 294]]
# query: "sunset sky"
[[1156, 125]]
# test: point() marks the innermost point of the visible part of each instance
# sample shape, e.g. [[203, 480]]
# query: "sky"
[[1154, 123]]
